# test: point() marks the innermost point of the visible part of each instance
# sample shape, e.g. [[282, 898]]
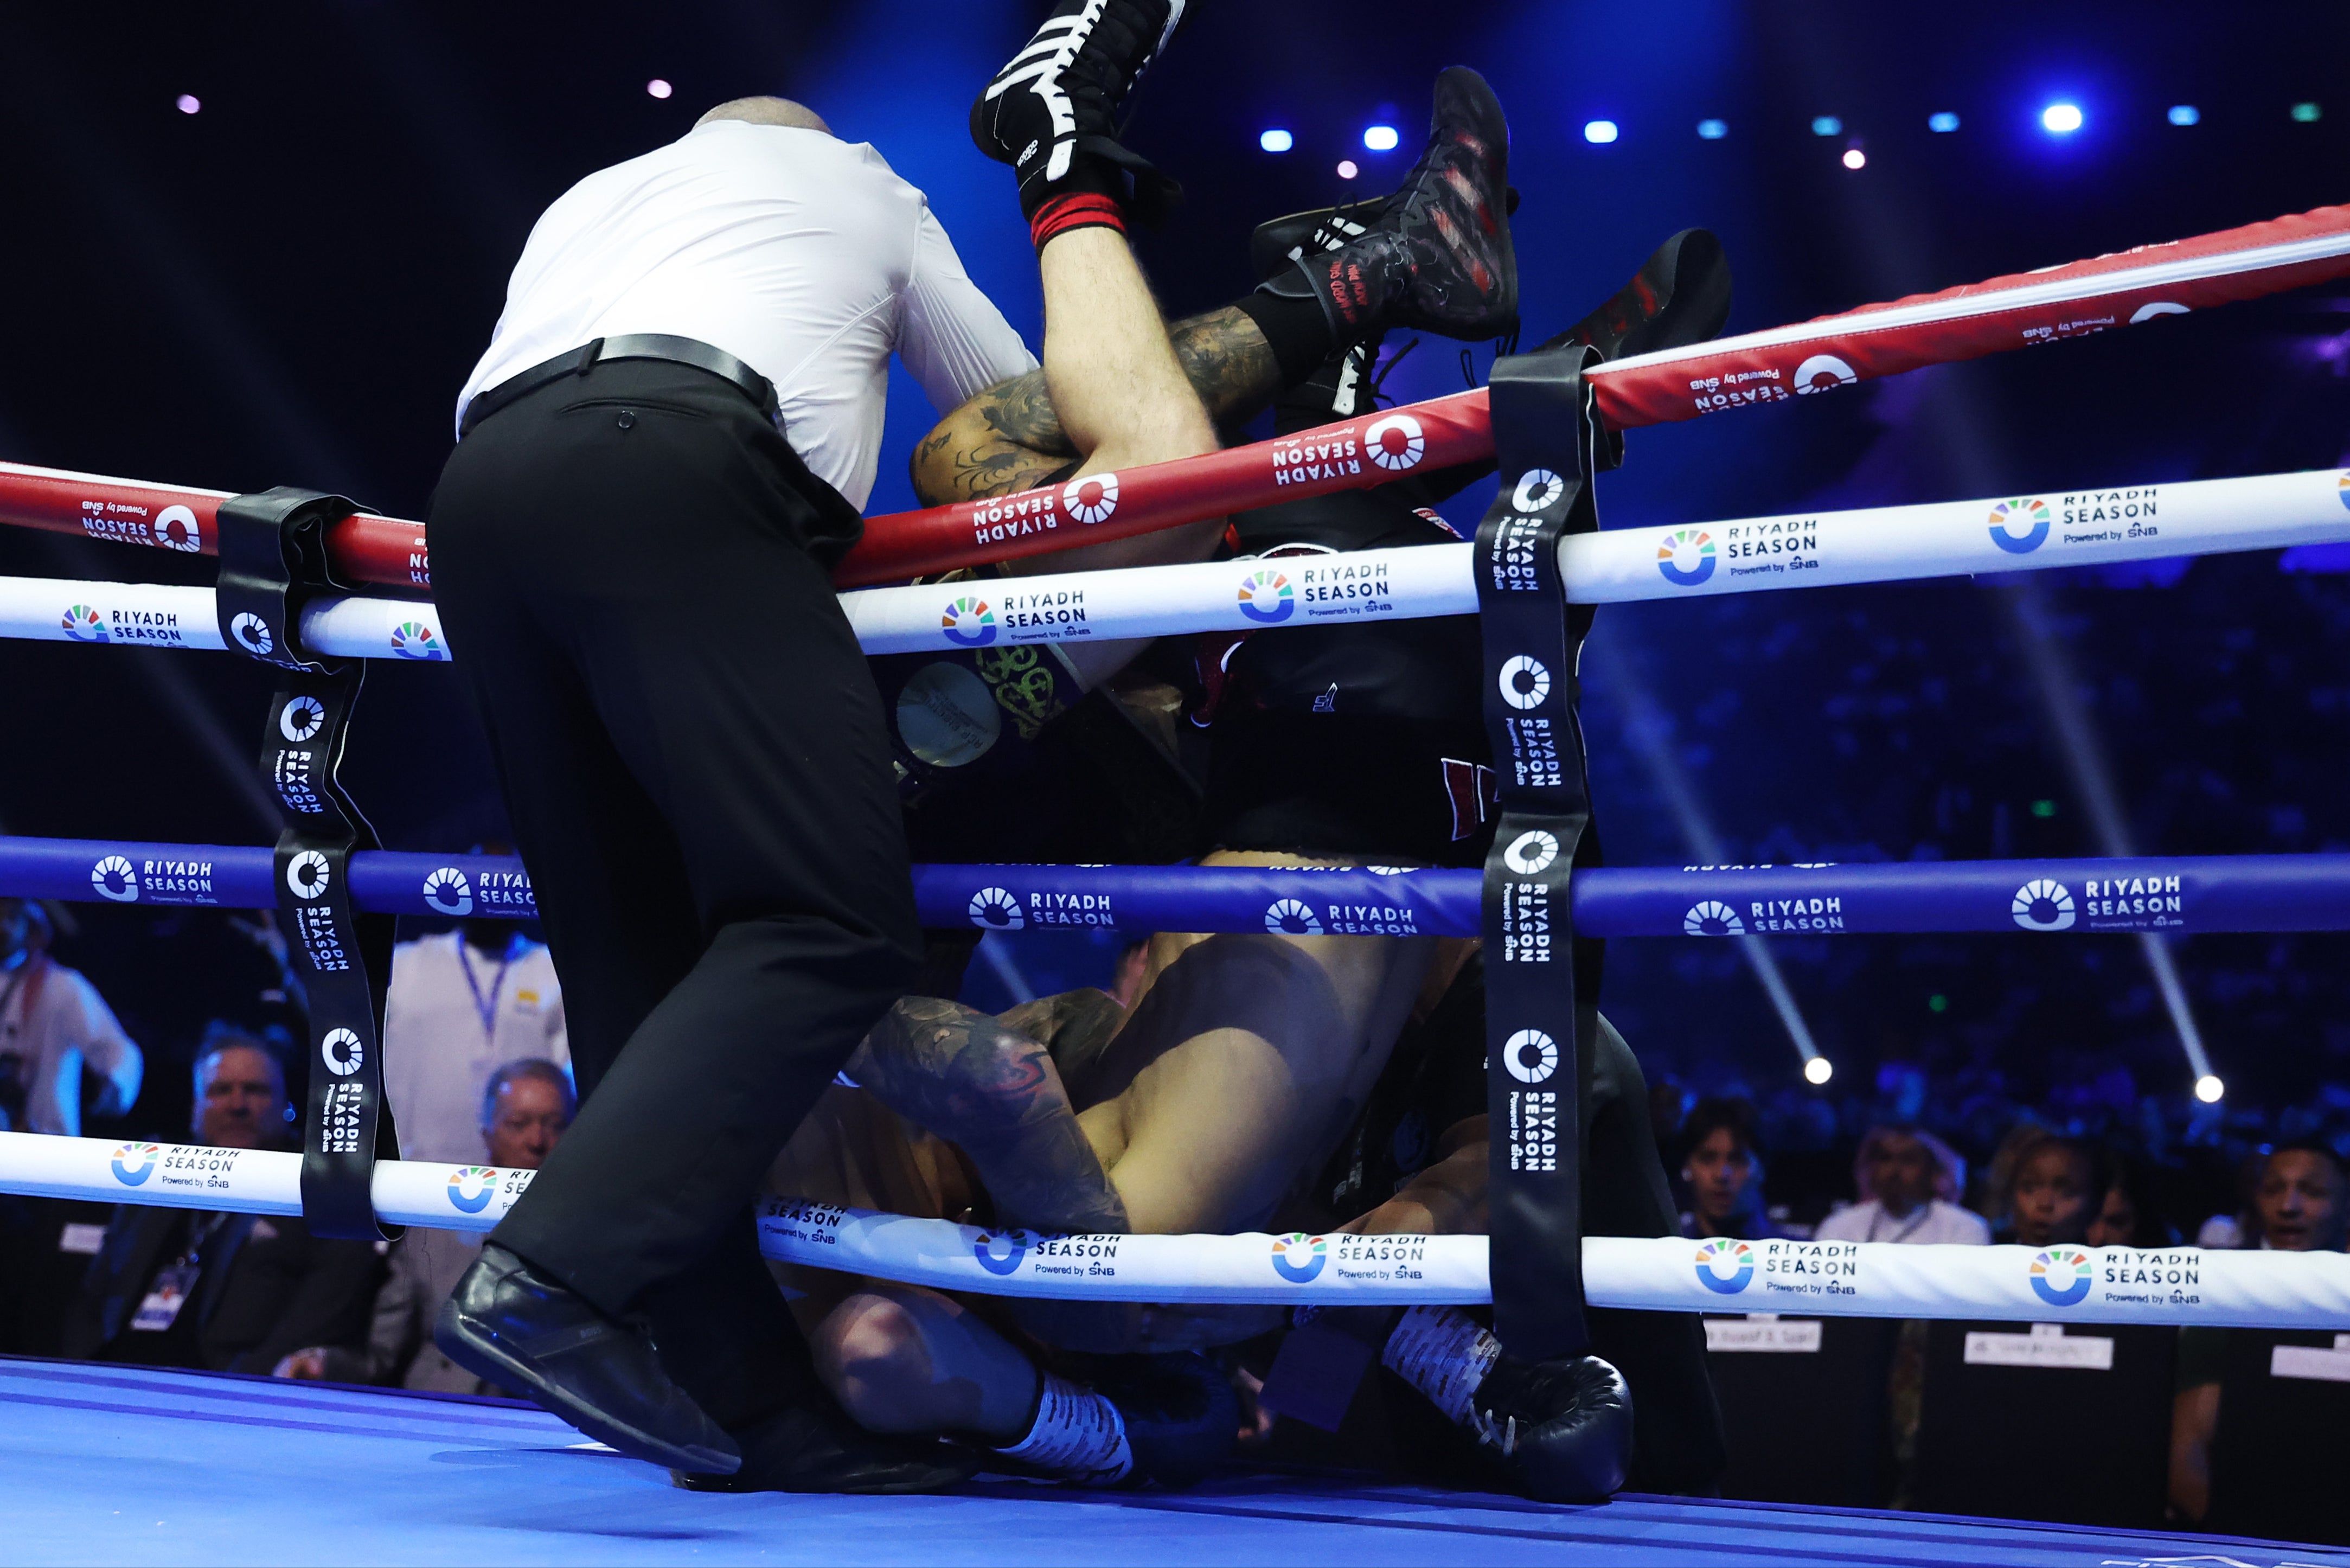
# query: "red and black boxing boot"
[[1436, 256], [1054, 113], [1680, 296]]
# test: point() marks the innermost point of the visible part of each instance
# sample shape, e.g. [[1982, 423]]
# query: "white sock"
[[1441, 1352], [1077, 1434]]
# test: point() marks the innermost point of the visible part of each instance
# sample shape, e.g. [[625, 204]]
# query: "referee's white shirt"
[[799, 253]]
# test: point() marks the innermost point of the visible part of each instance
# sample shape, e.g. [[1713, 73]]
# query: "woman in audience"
[[1721, 1168]]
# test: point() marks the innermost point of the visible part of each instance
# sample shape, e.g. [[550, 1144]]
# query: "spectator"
[[1722, 1169], [225, 1293], [2060, 1189], [52, 1024], [462, 1003], [524, 1111], [2127, 1217], [2301, 1203], [1908, 1180]]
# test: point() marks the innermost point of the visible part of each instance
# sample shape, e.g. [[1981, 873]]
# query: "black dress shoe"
[[815, 1448], [514, 1325]]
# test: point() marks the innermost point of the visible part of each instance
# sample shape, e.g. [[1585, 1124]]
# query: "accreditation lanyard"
[[487, 1006], [168, 1292]]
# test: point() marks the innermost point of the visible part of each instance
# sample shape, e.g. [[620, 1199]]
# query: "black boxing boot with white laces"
[[1054, 113]]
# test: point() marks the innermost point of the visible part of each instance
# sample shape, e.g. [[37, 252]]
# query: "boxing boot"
[[1563, 1428], [1164, 1420], [1680, 296], [1054, 111], [814, 1447], [1436, 256]]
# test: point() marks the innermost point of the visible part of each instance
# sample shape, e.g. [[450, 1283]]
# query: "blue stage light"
[[2185, 114], [1945, 121], [1712, 130], [1276, 140], [2306, 113], [1827, 125], [1599, 130], [1381, 138], [2063, 119]]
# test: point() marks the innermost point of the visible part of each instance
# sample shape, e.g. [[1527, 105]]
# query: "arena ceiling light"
[[1600, 131], [1942, 122], [2208, 1089], [189, 103], [2306, 113], [2062, 118], [2184, 114], [657, 88], [1381, 138], [1276, 141], [1818, 1070], [1347, 169], [1854, 157], [1712, 130], [1827, 125]]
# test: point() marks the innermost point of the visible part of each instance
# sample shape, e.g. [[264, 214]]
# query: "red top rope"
[[1965, 323]]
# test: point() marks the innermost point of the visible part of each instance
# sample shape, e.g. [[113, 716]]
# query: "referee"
[[661, 457]]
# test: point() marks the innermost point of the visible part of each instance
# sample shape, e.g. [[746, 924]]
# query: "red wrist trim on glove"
[[1078, 210]]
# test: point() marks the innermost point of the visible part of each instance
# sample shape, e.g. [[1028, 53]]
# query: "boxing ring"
[[411, 1478]]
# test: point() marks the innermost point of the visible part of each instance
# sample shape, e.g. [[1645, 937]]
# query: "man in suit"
[[222, 1292]]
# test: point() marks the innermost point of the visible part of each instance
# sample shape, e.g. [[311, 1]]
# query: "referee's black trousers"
[[631, 565]]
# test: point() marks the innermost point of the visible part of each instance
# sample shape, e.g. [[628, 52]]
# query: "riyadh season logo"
[[83, 623], [252, 635], [1531, 852], [1015, 1245], [2060, 1276], [1267, 596], [993, 909], [1686, 556], [302, 718], [176, 529], [1298, 1256], [448, 892], [2031, 514], [1822, 373], [1525, 683], [342, 1053], [414, 639], [2342, 489], [1531, 1055], [308, 875], [1725, 1267], [1091, 499], [1537, 488], [471, 1188], [968, 621], [2042, 905], [115, 880], [1289, 918], [133, 1163], [1396, 442], [1712, 919]]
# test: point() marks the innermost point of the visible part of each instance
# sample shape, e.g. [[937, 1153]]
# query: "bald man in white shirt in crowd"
[[661, 457]]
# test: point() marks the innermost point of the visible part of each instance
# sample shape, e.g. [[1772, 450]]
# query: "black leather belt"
[[632, 346]]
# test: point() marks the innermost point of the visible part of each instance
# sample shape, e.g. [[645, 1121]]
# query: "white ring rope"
[[1838, 1279], [1869, 545]]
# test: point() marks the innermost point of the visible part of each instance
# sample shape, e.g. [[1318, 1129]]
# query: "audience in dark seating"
[[1722, 1168], [462, 1003], [227, 1292], [53, 1026], [1909, 1182], [524, 1111], [2128, 1216], [2057, 1190]]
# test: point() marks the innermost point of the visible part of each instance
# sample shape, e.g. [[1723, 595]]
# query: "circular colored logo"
[[969, 621], [1001, 1254], [302, 718], [176, 529], [995, 909], [1530, 852], [1289, 918], [1537, 488], [2342, 489], [1712, 918], [1525, 683], [471, 1188], [83, 623], [1531, 1055], [2060, 1275], [1298, 1256], [1396, 442], [308, 875], [448, 892], [1091, 499], [342, 1053], [115, 880], [253, 634], [2031, 515], [414, 639], [2042, 905], [133, 1163], [1267, 596], [1822, 373], [1725, 1267], [1686, 556]]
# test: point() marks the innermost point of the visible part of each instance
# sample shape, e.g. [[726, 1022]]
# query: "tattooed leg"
[[965, 1078]]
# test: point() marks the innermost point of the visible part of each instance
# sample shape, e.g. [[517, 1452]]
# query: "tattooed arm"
[[1010, 438]]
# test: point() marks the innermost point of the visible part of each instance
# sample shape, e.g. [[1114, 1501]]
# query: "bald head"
[[768, 111]]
